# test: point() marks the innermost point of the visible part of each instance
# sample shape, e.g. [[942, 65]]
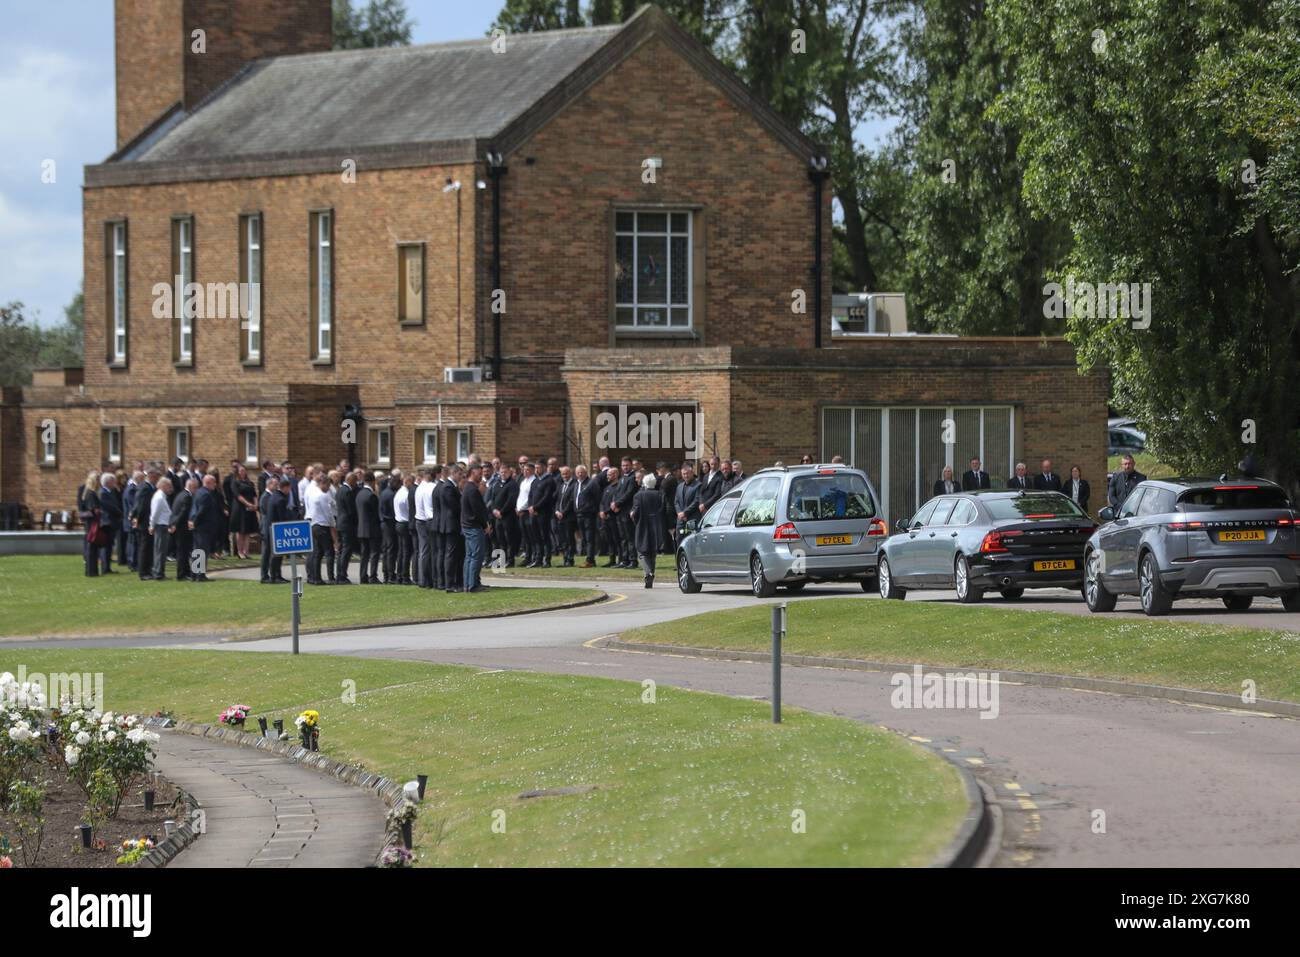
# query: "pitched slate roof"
[[357, 99], [404, 106]]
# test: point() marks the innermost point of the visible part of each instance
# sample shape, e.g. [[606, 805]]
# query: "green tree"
[[977, 257], [20, 343], [64, 344], [1136, 119], [382, 23]]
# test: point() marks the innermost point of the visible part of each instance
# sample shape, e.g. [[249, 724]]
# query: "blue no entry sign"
[[291, 538]]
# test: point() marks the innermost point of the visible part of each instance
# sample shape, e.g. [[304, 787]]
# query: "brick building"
[[484, 245]]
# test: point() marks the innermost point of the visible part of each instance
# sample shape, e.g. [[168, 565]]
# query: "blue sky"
[[56, 87]]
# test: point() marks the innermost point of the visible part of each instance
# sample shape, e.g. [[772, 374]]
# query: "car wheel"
[[1095, 594], [685, 580], [795, 586], [967, 593], [1156, 600], [1237, 602], [885, 575], [758, 582], [1291, 600], [1011, 594]]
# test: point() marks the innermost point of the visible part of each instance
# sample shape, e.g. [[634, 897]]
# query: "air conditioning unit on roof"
[[462, 374]]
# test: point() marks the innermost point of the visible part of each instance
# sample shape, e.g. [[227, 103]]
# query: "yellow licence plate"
[[1250, 535], [834, 539], [1056, 565]]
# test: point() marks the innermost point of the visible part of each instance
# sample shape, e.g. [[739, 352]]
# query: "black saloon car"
[[974, 542]]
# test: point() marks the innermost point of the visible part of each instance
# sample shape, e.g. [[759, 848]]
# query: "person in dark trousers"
[[622, 507], [128, 515], [388, 527], [178, 524], [206, 522], [666, 484], [586, 508], [272, 507], [542, 509], [447, 516], [347, 527], [404, 509], [505, 521], [688, 496], [473, 528], [88, 513], [1123, 482], [609, 518], [369, 533], [647, 514], [110, 519], [566, 515], [140, 522]]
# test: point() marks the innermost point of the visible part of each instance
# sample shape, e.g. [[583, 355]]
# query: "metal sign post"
[[292, 539], [778, 632]]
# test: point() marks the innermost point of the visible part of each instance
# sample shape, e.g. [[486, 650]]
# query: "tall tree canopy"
[[381, 23]]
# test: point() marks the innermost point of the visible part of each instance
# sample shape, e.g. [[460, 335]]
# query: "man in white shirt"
[[307, 481], [319, 506], [527, 526], [423, 530], [160, 513]]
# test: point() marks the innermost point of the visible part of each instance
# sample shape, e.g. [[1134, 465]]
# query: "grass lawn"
[[1207, 657], [692, 779], [49, 595], [665, 568]]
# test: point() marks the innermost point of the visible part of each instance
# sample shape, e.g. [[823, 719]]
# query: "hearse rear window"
[[842, 495]]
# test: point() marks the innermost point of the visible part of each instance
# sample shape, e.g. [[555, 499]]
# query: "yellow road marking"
[[916, 737], [974, 760], [1012, 786]]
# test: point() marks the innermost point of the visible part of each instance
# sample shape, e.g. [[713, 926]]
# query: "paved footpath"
[[262, 810]]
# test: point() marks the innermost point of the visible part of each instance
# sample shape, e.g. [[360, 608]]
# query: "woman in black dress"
[[223, 503], [243, 511], [87, 512]]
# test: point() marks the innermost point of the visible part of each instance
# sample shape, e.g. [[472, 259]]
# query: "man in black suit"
[[347, 527], [205, 523], [369, 533], [586, 508], [388, 527], [625, 490], [566, 514], [434, 571], [1047, 480], [666, 483], [711, 486], [265, 476], [505, 522], [140, 522], [289, 489], [111, 518], [178, 525], [272, 507], [1020, 480], [975, 477], [447, 518], [541, 507], [1123, 482], [945, 485]]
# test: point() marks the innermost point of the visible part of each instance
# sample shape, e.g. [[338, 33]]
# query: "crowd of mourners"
[[432, 526]]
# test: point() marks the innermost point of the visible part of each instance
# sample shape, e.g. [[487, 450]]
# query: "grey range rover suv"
[[1180, 538]]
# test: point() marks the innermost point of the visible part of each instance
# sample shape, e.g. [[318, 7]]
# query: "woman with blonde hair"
[[88, 512]]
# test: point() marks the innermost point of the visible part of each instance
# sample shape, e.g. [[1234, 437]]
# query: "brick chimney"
[[157, 49]]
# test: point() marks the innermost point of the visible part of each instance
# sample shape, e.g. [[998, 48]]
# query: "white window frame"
[[118, 280], [50, 447], [667, 305], [253, 257], [181, 443], [324, 290], [114, 437], [462, 445], [185, 269], [383, 446], [922, 482], [252, 436], [425, 457]]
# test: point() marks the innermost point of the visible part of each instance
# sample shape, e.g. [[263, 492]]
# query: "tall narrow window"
[[380, 445], [322, 285], [410, 283], [186, 307], [426, 446], [111, 445], [462, 445], [178, 443], [115, 286], [250, 275], [652, 270], [247, 440]]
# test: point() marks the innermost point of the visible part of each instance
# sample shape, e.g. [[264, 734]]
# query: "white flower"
[[20, 733], [106, 718], [109, 736], [6, 678], [83, 738], [131, 719], [70, 755], [75, 726]]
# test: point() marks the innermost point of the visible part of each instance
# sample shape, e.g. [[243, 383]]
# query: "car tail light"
[[1043, 515], [1285, 521], [877, 527], [786, 533], [1235, 488], [1185, 526], [993, 541]]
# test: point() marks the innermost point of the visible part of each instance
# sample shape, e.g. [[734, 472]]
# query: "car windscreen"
[[1031, 507], [840, 495], [1232, 497]]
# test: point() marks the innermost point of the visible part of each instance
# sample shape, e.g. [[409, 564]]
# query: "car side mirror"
[[901, 525], [1107, 514]]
